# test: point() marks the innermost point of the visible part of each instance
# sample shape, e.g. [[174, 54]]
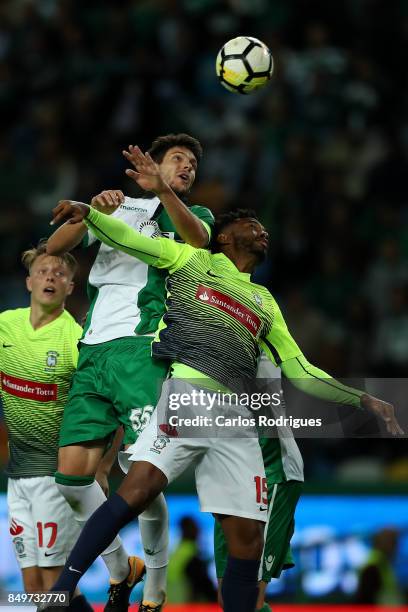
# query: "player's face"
[[249, 235], [179, 167], [50, 281]]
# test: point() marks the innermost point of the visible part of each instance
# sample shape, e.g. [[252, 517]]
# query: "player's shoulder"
[[14, 315], [202, 212]]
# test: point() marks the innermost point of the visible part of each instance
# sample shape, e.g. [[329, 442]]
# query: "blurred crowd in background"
[[321, 153]]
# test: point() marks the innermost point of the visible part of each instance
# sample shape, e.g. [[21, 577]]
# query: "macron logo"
[[203, 297]]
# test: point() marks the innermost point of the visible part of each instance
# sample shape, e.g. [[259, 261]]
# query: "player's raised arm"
[[179, 170], [283, 350], [158, 252]]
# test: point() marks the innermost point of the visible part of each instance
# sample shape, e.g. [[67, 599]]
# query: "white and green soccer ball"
[[244, 64]]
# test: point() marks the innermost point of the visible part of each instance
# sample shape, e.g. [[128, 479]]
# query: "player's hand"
[[108, 201], [146, 173], [384, 410], [102, 478], [70, 211]]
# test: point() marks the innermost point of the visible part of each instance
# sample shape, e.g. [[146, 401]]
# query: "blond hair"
[[28, 257]]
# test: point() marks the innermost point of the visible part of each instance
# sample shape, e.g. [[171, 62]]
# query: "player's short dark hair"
[[224, 219], [162, 144], [28, 257]]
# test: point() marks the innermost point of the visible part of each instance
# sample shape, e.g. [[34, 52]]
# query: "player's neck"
[[40, 316], [245, 262]]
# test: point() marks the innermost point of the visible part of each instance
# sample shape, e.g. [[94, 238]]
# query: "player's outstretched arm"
[[158, 252], [313, 381], [70, 235], [66, 238], [281, 348], [147, 175]]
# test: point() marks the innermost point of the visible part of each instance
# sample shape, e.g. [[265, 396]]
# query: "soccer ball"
[[244, 64]]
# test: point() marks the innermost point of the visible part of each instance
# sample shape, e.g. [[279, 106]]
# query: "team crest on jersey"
[[150, 228], [160, 443], [52, 358], [19, 546], [257, 299]]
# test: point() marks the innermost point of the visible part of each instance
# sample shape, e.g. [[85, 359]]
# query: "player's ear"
[[223, 239], [29, 283], [70, 287]]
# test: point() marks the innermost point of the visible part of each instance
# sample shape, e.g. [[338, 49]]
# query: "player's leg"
[[89, 422], [155, 461], [244, 538], [55, 530], [75, 479], [32, 579], [23, 534], [138, 489], [282, 501], [50, 575], [279, 529], [261, 605], [226, 484], [137, 380]]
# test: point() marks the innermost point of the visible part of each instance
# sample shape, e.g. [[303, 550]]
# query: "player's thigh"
[[228, 478], [22, 528], [170, 455], [81, 459], [136, 380], [89, 414], [283, 499], [57, 529]]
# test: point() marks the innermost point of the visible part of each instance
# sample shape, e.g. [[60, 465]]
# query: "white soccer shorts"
[[41, 523], [226, 469]]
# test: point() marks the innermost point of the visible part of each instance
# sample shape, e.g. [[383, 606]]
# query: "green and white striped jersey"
[[127, 295], [36, 367]]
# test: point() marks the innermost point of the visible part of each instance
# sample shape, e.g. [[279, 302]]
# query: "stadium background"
[[321, 154]]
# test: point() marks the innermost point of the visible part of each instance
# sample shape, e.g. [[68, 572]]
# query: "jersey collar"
[[224, 265]]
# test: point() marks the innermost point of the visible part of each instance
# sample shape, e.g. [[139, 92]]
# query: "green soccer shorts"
[[116, 383], [282, 500]]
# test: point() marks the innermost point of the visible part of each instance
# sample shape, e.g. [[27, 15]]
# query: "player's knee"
[[253, 541], [143, 483], [138, 498]]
